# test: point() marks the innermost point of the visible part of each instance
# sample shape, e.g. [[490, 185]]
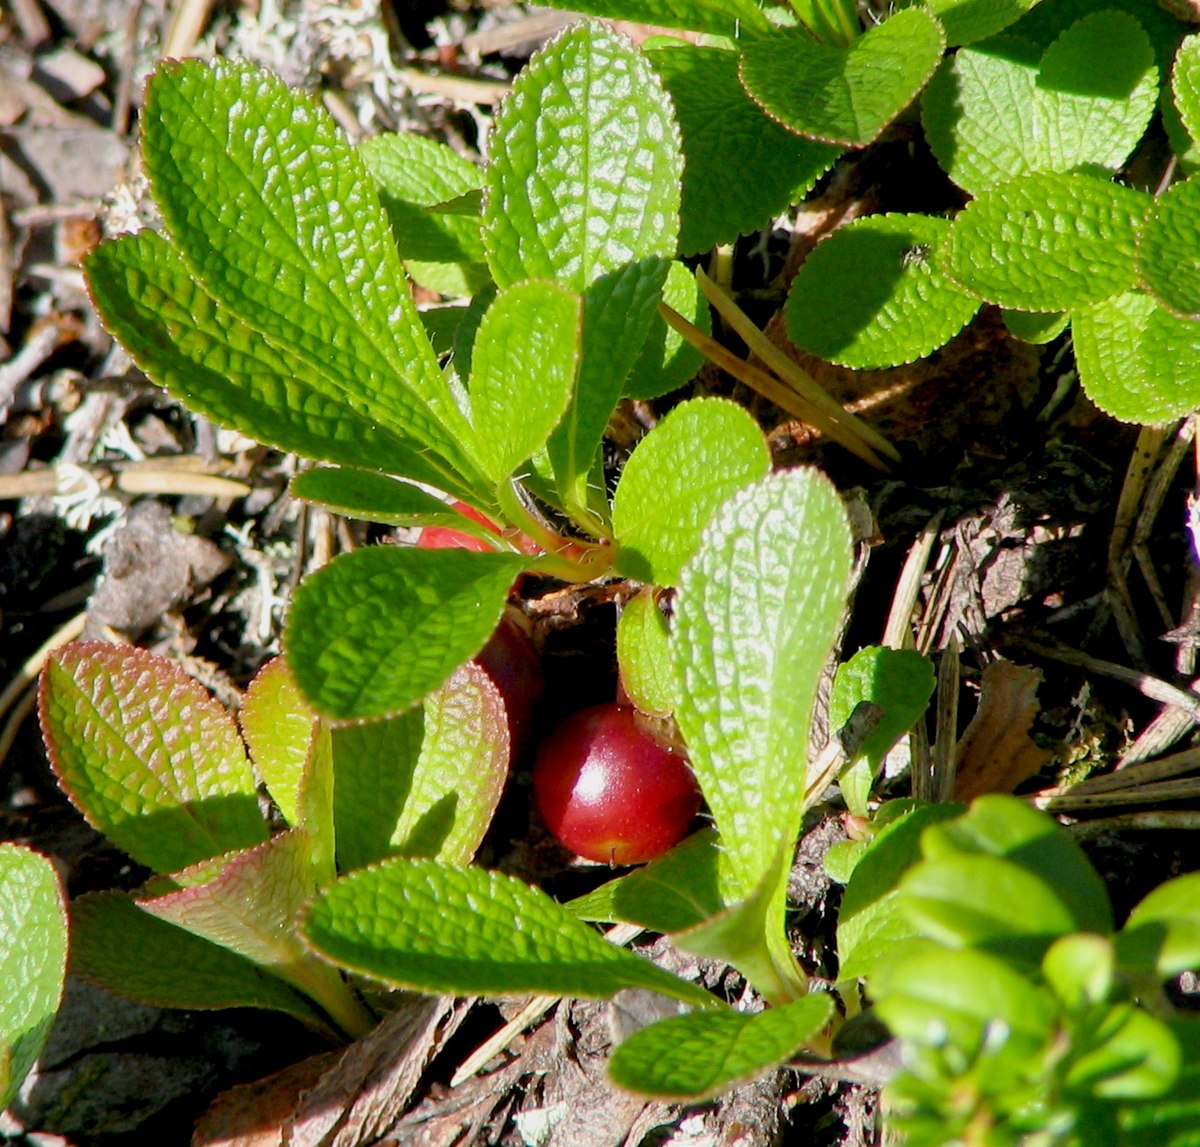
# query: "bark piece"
[[996, 752]]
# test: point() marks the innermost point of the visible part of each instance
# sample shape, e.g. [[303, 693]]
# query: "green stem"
[[566, 558], [830, 21], [324, 985]]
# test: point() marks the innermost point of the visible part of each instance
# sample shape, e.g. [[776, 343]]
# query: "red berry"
[[511, 660], [611, 793]]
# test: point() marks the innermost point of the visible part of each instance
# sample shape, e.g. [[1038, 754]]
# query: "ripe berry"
[[511, 660], [609, 792]]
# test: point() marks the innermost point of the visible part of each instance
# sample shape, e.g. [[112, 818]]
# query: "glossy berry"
[[609, 792]]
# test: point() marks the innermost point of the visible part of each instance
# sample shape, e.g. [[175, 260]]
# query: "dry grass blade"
[[1145, 794], [771, 388], [787, 370]]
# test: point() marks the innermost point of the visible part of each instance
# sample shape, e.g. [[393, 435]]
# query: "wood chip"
[[67, 75]]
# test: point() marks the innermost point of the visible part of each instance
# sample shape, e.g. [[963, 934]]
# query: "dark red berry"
[[609, 791]]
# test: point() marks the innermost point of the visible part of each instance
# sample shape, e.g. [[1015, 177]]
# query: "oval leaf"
[[700, 454], [1169, 249], [148, 757], [986, 902], [945, 998], [680, 889], [758, 607], [1185, 85], [425, 783], [376, 630], [696, 1056], [969, 20], [276, 215], [872, 925], [1136, 361], [1166, 925], [367, 496], [667, 360], [1000, 110], [174, 968], [583, 189], [279, 726], [844, 95], [523, 372], [206, 356], [435, 928], [1068, 240], [724, 130], [872, 295], [644, 654], [33, 960]]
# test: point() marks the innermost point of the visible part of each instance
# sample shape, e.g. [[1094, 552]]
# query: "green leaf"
[[248, 905], [149, 758], [279, 726], [748, 935], [723, 131], [432, 927], [872, 295], [173, 968], [667, 360], [644, 654], [758, 607], [33, 960], [1185, 85], [315, 806], [717, 17], [680, 889], [942, 998], [370, 497], [583, 189], [703, 451], [1139, 1058], [424, 783], [522, 373], [997, 111], [376, 630], [1168, 254], [306, 258], [203, 354], [1163, 931], [442, 250], [1049, 21], [1032, 327], [968, 20], [696, 1056], [1005, 826], [900, 682], [1172, 1119], [1080, 969], [872, 927], [989, 903], [1068, 241], [849, 95], [1136, 361]]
